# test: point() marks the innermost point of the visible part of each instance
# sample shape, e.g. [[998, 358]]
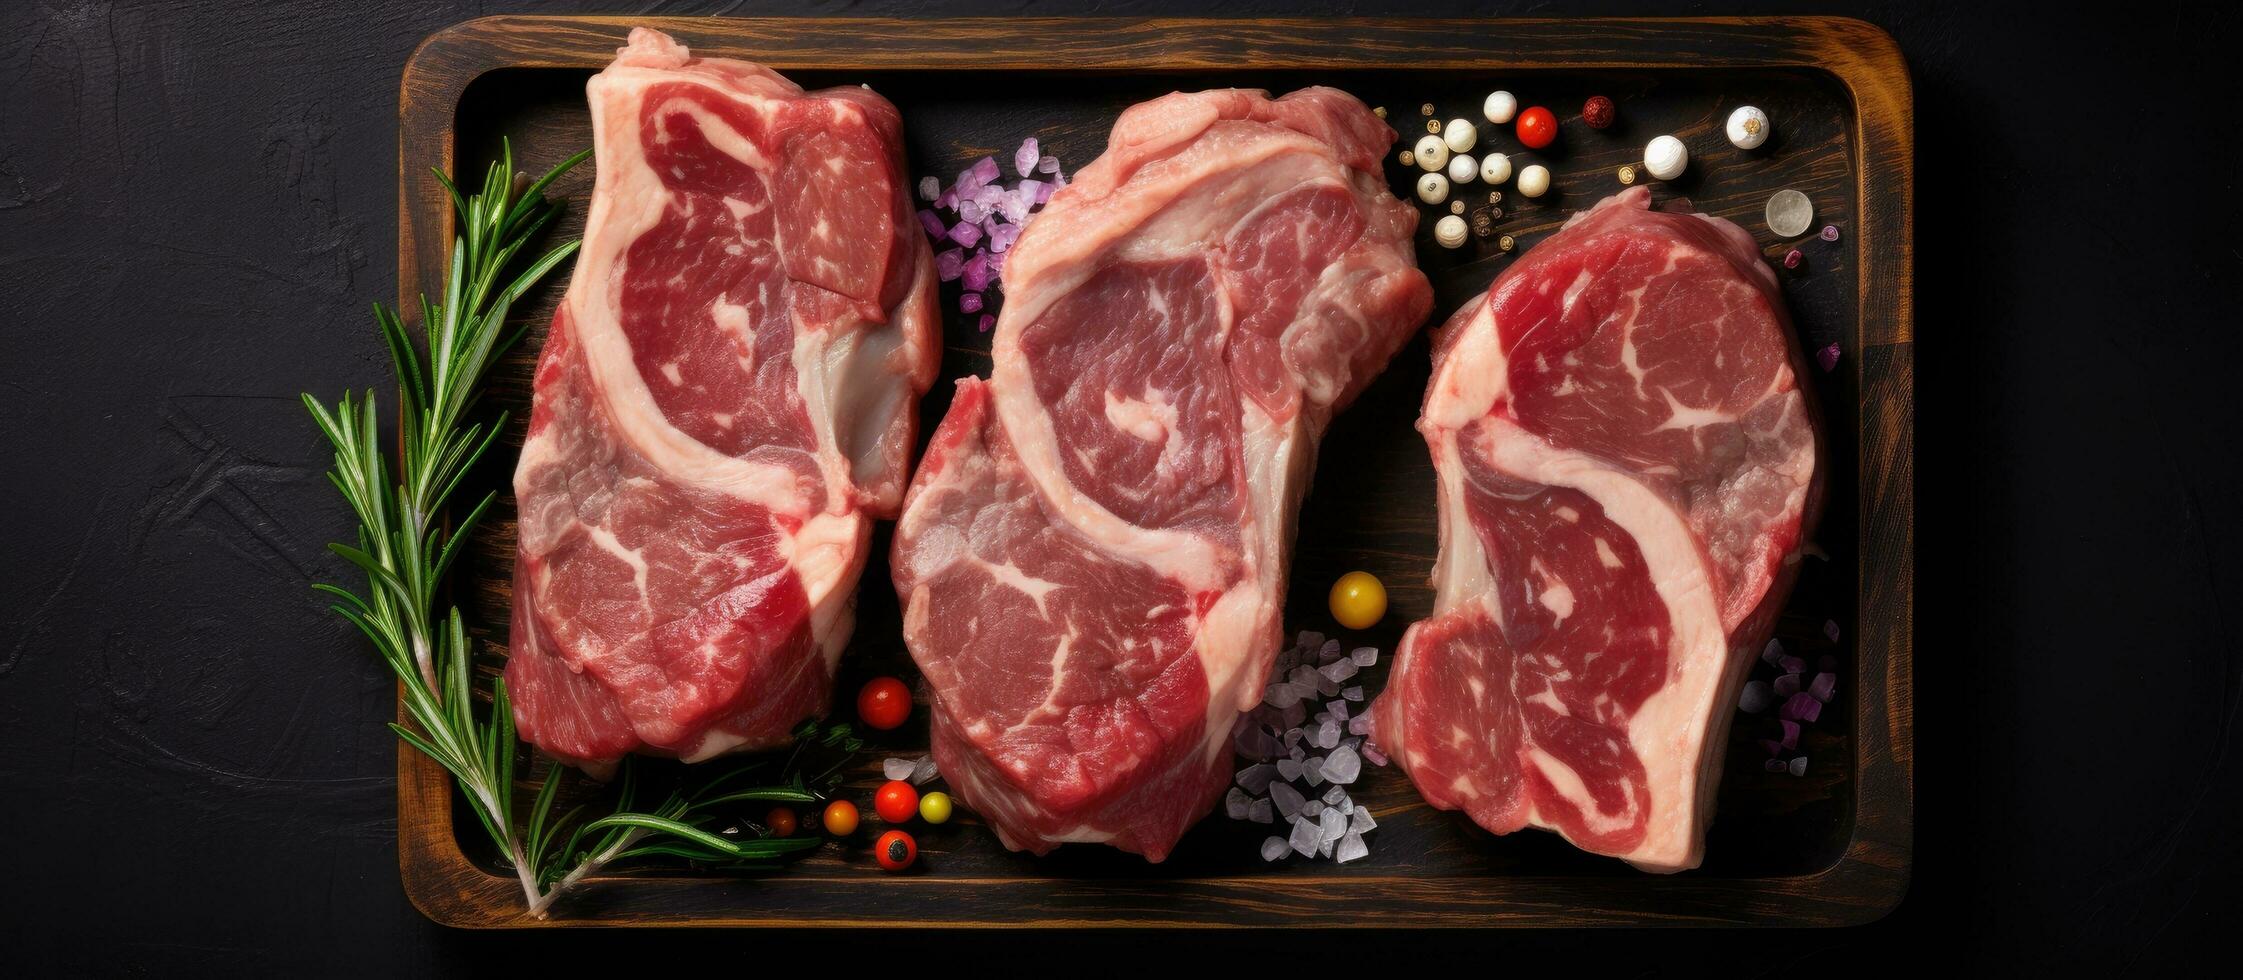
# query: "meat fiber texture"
[[1092, 558], [1626, 463], [725, 403]]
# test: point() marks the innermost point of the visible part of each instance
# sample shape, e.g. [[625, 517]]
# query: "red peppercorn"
[[1537, 127], [1791, 259], [1597, 112]]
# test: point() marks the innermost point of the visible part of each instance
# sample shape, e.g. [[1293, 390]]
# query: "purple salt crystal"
[[1756, 698], [1308, 640], [975, 276], [1275, 849], [1372, 754], [1790, 734], [1826, 663], [1364, 656], [968, 234], [1002, 236], [933, 223], [1047, 164], [1793, 665], [982, 172], [1824, 687], [1255, 779], [1024, 159], [1352, 693], [1293, 714], [1016, 205], [1799, 766], [1337, 709], [1787, 685], [989, 197], [997, 262], [1830, 629], [1774, 765], [949, 264], [1288, 768], [1339, 670], [969, 212], [969, 303], [1287, 799], [1772, 654], [1329, 652], [1774, 747], [1359, 725], [948, 199], [987, 323], [1263, 811], [1800, 707], [1828, 358], [1236, 803]]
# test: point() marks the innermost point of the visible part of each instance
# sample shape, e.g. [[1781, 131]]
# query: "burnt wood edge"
[[1875, 868]]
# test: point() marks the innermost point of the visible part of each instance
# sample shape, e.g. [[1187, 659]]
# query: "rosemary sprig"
[[405, 547]]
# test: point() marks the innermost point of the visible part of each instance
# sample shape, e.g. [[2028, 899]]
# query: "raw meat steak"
[[725, 403], [1092, 558], [1625, 458]]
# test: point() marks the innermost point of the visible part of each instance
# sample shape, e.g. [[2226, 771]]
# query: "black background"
[[198, 202]]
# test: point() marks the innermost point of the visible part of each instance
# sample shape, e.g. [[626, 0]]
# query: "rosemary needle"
[[405, 546]]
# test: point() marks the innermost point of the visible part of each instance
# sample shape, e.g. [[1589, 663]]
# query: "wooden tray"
[[1831, 848]]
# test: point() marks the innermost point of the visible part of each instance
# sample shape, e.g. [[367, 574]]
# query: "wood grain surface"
[[1830, 848]]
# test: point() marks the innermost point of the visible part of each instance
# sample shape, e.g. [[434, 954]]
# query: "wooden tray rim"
[[1876, 865]]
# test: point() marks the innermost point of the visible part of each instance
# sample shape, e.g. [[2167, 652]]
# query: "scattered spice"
[[1297, 767], [983, 215]]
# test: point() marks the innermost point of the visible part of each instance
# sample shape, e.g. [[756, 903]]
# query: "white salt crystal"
[[1330, 825], [1773, 652], [1236, 803], [1313, 770], [1287, 799], [897, 768], [1327, 734], [1306, 837], [1343, 765], [1337, 709], [1354, 693], [1338, 670], [1349, 848], [1275, 848], [1364, 656], [1334, 796], [1756, 698], [1255, 779], [1312, 808], [1263, 811], [1309, 640], [924, 771], [1287, 768], [1360, 821], [1329, 652], [1359, 725]]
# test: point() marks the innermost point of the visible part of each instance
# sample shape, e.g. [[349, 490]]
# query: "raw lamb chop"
[[725, 403], [1625, 460], [1092, 557]]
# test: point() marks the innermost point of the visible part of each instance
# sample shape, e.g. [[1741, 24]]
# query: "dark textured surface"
[[197, 202]]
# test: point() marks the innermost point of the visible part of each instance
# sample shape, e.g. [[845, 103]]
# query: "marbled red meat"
[[725, 403], [1092, 557], [1626, 464]]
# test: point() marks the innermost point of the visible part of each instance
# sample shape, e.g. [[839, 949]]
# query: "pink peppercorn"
[[1830, 233], [1597, 112], [1791, 259]]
